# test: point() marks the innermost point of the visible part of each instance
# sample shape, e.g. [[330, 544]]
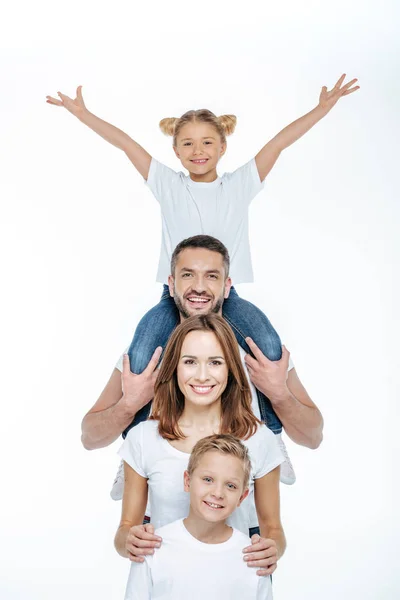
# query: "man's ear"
[[243, 496], [228, 285], [186, 481], [171, 285]]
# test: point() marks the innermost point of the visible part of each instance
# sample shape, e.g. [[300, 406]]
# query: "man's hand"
[[74, 106], [263, 554], [141, 541], [138, 390], [327, 100], [269, 376]]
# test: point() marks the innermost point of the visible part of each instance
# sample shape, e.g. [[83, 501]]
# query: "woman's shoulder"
[[143, 430], [262, 436]]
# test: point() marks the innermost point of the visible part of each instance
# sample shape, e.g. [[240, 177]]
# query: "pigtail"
[[228, 123], [167, 125]]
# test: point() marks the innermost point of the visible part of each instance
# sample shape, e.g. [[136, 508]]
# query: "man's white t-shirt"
[[219, 209], [163, 465], [183, 568]]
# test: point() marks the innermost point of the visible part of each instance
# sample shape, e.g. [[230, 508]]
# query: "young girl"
[[203, 202], [201, 390]]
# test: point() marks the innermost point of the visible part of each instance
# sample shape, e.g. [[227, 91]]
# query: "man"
[[198, 271]]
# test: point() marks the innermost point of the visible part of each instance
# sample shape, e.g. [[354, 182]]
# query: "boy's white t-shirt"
[[163, 465], [183, 567], [219, 209]]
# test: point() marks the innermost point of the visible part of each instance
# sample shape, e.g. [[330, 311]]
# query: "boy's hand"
[[268, 376], [76, 107], [263, 554], [141, 541], [327, 100]]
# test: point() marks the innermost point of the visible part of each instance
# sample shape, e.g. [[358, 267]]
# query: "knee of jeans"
[[137, 359]]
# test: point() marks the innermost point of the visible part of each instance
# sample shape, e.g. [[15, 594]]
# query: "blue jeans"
[[245, 319]]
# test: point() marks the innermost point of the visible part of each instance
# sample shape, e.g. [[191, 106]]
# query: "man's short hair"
[[201, 241], [225, 443]]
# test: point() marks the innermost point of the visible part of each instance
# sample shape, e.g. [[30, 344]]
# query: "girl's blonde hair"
[[224, 125]]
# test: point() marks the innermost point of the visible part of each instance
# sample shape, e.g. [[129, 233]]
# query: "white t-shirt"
[[219, 208], [163, 465], [183, 567]]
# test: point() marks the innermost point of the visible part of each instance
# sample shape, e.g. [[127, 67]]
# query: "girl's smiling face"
[[199, 148], [202, 370]]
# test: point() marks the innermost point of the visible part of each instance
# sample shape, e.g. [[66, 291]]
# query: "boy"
[[201, 556]]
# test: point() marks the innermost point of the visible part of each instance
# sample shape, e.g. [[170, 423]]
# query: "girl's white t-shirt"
[[219, 209], [163, 465], [183, 567]]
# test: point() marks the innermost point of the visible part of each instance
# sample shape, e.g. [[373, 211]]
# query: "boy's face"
[[216, 486]]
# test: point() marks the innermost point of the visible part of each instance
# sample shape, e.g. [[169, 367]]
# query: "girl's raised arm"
[[136, 154], [269, 154]]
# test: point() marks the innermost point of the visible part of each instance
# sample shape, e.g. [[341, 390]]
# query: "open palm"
[[328, 99], [75, 106]]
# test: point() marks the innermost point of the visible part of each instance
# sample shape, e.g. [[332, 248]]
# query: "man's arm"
[[301, 418], [124, 394]]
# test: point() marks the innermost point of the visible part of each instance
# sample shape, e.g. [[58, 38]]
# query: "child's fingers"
[[340, 81], [254, 348], [351, 91], [52, 100]]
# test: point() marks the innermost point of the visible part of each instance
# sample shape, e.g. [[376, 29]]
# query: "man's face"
[[199, 284], [216, 487]]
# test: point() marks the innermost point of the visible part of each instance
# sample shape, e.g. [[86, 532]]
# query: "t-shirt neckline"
[[204, 545]]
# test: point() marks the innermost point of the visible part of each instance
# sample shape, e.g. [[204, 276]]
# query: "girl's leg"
[[153, 330], [247, 320]]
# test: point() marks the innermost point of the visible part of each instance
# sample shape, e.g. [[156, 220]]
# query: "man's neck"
[[206, 532]]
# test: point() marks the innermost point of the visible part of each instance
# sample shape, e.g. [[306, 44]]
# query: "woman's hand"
[[141, 541], [327, 100], [76, 107], [263, 554]]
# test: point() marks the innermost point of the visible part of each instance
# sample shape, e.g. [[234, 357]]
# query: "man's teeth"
[[198, 299]]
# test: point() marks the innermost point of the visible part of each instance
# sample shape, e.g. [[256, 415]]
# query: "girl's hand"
[[327, 100], [76, 107], [141, 541]]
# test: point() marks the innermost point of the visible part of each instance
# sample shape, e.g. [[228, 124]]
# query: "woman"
[[201, 390]]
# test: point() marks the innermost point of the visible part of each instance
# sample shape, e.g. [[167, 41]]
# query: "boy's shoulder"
[[172, 530]]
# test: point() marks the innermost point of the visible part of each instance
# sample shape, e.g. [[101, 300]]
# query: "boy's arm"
[[269, 154], [136, 154], [124, 394]]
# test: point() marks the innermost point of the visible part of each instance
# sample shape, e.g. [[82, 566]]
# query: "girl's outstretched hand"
[[76, 106], [327, 100]]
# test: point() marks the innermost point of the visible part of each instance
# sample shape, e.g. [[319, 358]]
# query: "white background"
[[80, 237]]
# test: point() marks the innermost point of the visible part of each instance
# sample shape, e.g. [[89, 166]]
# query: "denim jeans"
[[245, 319]]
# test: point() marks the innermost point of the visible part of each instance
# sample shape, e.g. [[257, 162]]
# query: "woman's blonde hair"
[[237, 418], [224, 444], [224, 125]]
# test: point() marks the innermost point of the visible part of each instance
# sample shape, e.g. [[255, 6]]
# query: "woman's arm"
[[137, 155], [265, 552], [133, 508], [269, 154]]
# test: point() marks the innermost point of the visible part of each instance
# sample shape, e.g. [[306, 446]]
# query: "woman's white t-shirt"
[[186, 568], [219, 209], [154, 458]]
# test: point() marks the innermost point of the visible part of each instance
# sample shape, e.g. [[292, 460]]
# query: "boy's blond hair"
[[224, 443]]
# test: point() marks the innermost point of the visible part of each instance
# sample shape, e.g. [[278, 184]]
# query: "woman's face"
[[202, 369]]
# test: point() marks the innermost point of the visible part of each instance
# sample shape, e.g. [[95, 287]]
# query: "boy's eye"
[[208, 142], [231, 486], [187, 143]]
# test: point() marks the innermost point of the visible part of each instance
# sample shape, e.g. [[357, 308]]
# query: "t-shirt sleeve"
[[245, 182], [132, 451], [269, 455], [161, 179], [120, 361], [140, 585]]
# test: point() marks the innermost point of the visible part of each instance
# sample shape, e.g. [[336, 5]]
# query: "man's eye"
[[213, 276], [186, 275]]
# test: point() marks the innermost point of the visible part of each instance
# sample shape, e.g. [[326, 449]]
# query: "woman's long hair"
[[237, 417]]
